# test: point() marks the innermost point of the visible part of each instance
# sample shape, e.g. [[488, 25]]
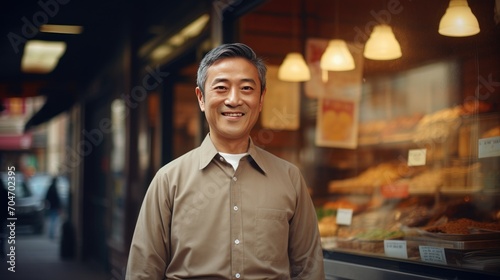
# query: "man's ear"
[[201, 99]]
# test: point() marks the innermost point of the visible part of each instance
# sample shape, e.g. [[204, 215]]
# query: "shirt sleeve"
[[305, 252], [149, 253]]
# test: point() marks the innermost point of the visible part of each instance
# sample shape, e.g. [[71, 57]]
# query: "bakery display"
[[465, 226], [493, 132], [384, 173], [450, 203]]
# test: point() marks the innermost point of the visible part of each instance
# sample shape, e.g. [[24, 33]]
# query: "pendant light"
[[294, 67], [458, 20], [382, 44], [337, 56]]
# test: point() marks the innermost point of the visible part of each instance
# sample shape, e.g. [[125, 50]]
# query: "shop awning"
[[16, 142], [54, 105]]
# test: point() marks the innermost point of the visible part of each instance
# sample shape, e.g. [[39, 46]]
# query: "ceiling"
[[272, 30], [109, 24], [85, 51], [104, 25], [108, 27]]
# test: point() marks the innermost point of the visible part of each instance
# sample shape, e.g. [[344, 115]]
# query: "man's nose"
[[233, 97]]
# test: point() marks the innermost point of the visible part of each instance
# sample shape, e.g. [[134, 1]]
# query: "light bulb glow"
[[382, 44], [458, 20], [294, 69], [337, 57]]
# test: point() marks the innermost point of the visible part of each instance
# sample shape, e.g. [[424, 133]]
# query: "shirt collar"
[[208, 152]]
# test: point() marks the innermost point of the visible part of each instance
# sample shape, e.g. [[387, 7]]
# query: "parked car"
[[29, 207], [30, 198]]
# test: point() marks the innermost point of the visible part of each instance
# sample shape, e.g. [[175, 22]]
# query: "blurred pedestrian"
[[54, 207]]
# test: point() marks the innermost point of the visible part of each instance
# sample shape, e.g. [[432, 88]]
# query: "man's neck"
[[231, 146]]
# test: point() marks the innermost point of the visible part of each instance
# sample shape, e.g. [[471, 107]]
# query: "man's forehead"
[[232, 58], [214, 71]]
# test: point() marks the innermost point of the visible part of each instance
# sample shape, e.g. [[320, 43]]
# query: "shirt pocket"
[[271, 235]]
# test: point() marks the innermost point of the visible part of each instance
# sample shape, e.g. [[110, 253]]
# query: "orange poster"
[[337, 123]]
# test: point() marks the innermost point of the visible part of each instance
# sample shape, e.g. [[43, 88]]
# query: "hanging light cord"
[[303, 25], [337, 19]]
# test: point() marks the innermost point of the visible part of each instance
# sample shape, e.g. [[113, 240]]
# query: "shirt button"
[[237, 241], [221, 159], [235, 179], [237, 275], [235, 208]]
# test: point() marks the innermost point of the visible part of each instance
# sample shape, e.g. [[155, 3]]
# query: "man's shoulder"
[[274, 160], [190, 158]]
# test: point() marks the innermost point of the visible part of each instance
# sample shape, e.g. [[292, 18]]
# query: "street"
[[37, 257]]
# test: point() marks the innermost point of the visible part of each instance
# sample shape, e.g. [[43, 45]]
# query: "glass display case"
[[401, 153], [423, 197]]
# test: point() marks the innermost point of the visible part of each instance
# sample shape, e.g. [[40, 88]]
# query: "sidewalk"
[[37, 257]]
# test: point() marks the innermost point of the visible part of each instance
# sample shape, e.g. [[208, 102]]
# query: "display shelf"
[[352, 265], [453, 183]]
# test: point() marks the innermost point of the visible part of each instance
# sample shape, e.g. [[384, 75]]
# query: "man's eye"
[[247, 88], [220, 88]]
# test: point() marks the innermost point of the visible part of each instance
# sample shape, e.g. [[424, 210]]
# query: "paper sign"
[[432, 254], [395, 249], [417, 157], [344, 216], [489, 147]]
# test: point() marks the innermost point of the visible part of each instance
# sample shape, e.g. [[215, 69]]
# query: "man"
[[227, 209], [54, 209]]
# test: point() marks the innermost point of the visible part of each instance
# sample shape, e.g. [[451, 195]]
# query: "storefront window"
[[402, 152]]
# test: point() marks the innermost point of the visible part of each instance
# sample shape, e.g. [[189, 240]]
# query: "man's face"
[[232, 100]]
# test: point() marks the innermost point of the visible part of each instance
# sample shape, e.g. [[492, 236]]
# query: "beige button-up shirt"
[[200, 219]]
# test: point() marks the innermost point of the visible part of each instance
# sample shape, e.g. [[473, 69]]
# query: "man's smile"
[[230, 114]]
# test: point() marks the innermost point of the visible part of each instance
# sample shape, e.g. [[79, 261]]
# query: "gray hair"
[[227, 51]]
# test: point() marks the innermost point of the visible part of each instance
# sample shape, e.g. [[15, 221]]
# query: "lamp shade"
[[294, 69], [382, 44], [337, 57], [458, 20]]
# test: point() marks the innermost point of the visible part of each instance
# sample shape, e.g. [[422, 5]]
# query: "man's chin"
[[234, 135]]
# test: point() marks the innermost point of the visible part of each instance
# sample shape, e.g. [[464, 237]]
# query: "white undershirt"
[[233, 159]]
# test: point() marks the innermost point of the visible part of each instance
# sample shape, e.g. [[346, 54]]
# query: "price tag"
[[395, 249], [417, 157], [344, 216], [432, 254], [489, 147]]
